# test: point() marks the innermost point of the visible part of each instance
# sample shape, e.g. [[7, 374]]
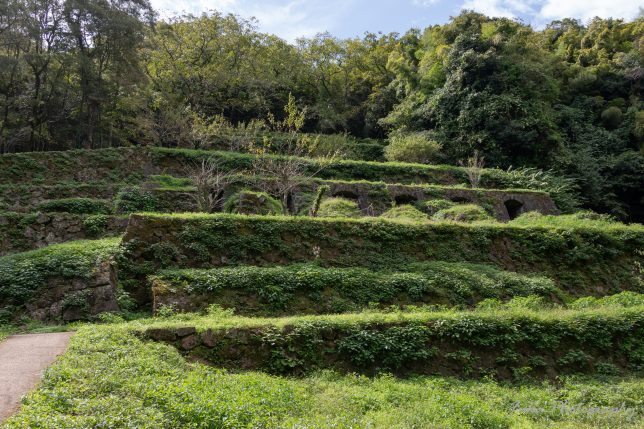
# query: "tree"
[[412, 147], [107, 35], [211, 180], [285, 173]]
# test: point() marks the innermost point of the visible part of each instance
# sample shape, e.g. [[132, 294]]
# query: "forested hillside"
[[566, 98]]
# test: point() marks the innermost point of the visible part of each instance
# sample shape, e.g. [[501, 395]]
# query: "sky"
[[291, 19]]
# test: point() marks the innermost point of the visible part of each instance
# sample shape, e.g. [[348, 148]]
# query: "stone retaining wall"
[[21, 232], [75, 299]]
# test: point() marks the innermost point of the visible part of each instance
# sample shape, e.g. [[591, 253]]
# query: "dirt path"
[[23, 358]]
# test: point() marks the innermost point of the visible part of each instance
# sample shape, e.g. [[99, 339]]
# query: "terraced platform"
[[368, 294]]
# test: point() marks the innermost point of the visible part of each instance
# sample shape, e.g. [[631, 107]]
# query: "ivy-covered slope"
[[309, 288], [581, 259]]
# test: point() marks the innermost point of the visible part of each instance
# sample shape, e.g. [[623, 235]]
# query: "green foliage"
[[135, 199], [250, 202], [480, 342], [109, 375], [433, 206], [624, 299], [310, 288], [612, 117], [579, 256], [463, 213], [76, 206], [416, 147], [580, 219], [388, 350], [168, 182], [405, 212], [77, 300], [339, 207], [563, 190], [95, 226], [22, 274], [319, 195]]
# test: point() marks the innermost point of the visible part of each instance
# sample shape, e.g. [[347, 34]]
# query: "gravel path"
[[23, 358]]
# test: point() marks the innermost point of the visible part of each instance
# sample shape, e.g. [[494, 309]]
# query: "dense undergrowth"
[[578, 257], [129, 165], [110, 378], [308, 288], [22, 274], [545, 312]]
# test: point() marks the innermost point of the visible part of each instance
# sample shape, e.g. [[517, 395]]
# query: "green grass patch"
[[76, 206], [310, 288], [581, 259], [405, 212], [110, 378], [22, 274], [503, 343]]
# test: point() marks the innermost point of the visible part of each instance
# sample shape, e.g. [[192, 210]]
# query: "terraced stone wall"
[[20, 232], [580, 260]]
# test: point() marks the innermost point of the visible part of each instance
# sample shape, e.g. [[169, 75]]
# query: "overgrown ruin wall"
[[64, 299], [21, 232], [580, 260]]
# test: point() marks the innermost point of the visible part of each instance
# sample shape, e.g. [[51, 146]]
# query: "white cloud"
[[424, 3], [501, 8], [288, 19], [588, 9], [168, 8], [539, 12]]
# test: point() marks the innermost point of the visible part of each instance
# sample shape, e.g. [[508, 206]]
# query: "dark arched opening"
[[405, 199], [346, 194], [514, 208], [460, 200]]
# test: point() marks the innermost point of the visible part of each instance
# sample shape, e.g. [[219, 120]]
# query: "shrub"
[[579, 219], [433, 206], [135, 199], [250, 202], [612, 117], [624, 299], [95, 225], [463, 213], [581, 258], [309, 288], [22, 274], [339, 207], [405, 212], [415, 147], [76, 206]]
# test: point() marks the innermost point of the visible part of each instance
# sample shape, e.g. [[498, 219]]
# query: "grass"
[[566, 223], [5, 331], [308, 288], [501, 313], [111, 379]]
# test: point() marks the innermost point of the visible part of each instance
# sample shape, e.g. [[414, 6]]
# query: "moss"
[[250, 202], [22, 274], [405, 212], [339, 207], [309, 288], [463, 213], [76, 206]]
